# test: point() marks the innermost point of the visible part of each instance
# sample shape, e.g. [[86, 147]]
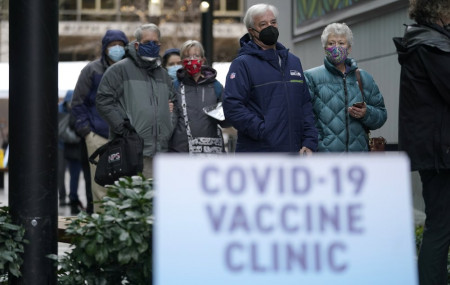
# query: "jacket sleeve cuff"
[[83, 132]]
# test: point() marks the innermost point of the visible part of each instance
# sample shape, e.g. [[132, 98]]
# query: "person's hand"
[[305, 151], [170, 106], [357, 112]]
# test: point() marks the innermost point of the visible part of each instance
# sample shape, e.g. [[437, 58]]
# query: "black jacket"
[[424, 109]]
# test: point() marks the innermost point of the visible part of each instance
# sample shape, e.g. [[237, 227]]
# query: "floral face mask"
[[336, 54]]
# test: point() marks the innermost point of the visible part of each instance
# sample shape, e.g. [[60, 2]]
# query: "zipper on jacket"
[[287, 101], [155, 101], [203, 94], [347, 134]]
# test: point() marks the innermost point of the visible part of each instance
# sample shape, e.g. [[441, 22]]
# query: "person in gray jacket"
[[139, 89]]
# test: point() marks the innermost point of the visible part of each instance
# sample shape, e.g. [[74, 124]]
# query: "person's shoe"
[[74, 210], [62, 202], [75, 207]]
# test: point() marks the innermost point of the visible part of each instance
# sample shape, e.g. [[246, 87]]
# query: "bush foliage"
[[113, 247], [12, 244]]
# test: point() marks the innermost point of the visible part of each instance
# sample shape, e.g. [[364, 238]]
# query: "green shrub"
[[113, 247], [11, 246]]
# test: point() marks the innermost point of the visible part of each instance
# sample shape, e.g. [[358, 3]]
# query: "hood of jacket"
[[132, 53], [431, 35], [111, 36], [249, 47]]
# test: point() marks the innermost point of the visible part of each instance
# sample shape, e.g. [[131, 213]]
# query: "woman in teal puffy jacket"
[[334, 91]]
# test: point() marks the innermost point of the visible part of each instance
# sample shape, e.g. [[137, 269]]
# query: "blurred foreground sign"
[[274, 219]]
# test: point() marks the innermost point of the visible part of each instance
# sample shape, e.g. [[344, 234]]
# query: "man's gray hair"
[[338, 29], [151, 27], [257, 10]]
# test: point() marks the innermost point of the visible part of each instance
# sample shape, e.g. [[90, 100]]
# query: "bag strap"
[[98, 152], [218, 89], [358, 77]]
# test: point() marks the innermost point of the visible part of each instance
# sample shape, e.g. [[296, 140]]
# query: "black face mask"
[[268, 35]]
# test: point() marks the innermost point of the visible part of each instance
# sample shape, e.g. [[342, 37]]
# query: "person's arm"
[[79, 108], [236, 99], [310, 136], [107, 100], [437, 66]]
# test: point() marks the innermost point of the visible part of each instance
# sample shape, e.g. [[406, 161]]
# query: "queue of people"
[[276, 106]]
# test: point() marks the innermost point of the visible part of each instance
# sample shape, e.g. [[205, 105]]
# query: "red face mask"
[[192, 66]]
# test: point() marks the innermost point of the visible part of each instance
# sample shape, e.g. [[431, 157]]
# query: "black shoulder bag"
[[123, 156]]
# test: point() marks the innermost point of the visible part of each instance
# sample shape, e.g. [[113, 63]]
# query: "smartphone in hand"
[[358, 105]]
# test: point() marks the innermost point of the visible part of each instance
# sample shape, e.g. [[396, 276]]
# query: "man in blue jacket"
[[266, 97], [89, 125]]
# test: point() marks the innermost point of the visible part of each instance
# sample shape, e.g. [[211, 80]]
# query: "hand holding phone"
[[359, 105]]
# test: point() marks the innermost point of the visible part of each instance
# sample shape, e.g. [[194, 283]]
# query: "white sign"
[[275, 219]]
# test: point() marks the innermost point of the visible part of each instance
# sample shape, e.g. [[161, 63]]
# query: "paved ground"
[[62, 210]]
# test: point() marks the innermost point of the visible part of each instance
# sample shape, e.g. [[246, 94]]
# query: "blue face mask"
[[172, 70], [150, 49], [116, 53]]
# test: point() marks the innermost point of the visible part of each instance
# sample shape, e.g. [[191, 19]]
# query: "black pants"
[[436, 237]]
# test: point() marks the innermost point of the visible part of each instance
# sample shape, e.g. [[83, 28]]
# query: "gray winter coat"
[[140, 91]]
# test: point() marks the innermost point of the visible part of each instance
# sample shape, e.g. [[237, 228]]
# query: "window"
[[230, 8], [88, 4]]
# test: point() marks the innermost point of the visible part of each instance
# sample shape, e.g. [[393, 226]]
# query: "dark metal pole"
[[207, 31], [33, 98]]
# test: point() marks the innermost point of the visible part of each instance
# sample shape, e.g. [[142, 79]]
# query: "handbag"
[[122, 156], [65, 133], [375, 144]]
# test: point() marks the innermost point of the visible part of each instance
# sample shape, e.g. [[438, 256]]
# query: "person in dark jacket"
[[424, 125], [69, 143], [197, 88], [89, 125], [266, 97], [335, 95]]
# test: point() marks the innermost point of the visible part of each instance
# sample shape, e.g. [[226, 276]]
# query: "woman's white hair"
[[337, 29], [187, 45], [257, 10]]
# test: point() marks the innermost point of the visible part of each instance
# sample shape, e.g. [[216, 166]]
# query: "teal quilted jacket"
[[332, 92]]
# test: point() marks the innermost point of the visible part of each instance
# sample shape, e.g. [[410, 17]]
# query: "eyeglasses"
[[195, 56]]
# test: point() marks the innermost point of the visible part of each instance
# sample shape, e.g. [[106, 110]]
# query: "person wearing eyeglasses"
[[197, 88], [139, 89]]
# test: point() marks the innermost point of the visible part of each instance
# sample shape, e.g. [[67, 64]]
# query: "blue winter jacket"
[[267, 100], [83, 104], [332, 93]]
